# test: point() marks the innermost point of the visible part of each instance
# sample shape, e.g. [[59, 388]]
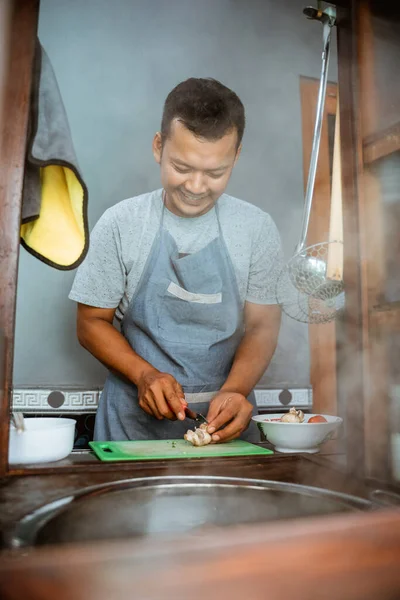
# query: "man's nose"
[[196, 184]]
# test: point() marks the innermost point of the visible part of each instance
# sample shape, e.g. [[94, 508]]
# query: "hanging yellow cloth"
[[54, 205], [61, 218]]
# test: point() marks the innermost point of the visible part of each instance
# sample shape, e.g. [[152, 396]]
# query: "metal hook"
[[324, 16]]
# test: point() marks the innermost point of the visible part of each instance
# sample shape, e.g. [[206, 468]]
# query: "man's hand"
[[161, 396], [228, 415], [230, 411]]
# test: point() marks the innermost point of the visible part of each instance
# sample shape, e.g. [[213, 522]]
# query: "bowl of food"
[[44, 439], [296, 432]]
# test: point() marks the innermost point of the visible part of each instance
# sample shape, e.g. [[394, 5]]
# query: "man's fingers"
[[176, 401], [179, 390], [218, 408], [213, 410], [150, 400], [222, 419], [162, 395], [233, 429], [168, 396], [145, 407], [162, 406], [230, 432]]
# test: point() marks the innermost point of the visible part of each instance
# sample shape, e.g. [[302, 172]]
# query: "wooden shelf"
[[381, 144]]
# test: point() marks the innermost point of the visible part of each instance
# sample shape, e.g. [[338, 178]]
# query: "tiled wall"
[[86, 401]]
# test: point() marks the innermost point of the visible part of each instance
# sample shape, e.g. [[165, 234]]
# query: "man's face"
[[194, 171]]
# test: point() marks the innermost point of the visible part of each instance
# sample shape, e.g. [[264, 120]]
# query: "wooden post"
[[15, 86], [350, 327]]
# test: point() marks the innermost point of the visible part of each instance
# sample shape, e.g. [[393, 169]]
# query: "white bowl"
[[298, 437], [45, 439]]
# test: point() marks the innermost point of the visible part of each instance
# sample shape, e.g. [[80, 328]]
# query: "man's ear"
[[157, 147], [237, 154]]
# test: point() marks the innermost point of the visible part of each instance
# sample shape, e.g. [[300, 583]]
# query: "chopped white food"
[[198, 437]]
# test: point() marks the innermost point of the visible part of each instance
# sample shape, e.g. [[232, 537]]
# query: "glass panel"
[[388, 173], [386, 58]]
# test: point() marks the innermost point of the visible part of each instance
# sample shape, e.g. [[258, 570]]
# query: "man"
[[190, 272]]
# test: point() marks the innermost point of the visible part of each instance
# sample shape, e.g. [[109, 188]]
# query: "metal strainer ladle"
[[307, 269]]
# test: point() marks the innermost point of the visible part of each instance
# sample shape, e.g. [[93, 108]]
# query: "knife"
[[198, 417]]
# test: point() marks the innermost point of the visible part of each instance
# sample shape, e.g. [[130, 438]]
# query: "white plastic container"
[[45, 439], [298, 437]]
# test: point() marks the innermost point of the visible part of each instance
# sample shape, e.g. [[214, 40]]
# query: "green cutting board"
[[168, 449]]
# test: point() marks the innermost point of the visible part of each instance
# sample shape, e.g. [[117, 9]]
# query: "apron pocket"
[[194, 320], [180, 292]]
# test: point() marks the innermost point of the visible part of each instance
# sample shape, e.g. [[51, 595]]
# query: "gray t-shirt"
[[121, 241]]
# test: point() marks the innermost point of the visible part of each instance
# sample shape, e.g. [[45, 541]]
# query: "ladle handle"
[[327, 29], [334, 268]]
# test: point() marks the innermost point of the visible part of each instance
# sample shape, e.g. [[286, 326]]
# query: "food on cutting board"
[[293, 416], [198, 437], [317, 419]]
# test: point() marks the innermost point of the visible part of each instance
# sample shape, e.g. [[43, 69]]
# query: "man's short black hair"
[[206, 107]]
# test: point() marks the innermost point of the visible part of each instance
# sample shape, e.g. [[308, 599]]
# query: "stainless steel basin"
[[170, 505]]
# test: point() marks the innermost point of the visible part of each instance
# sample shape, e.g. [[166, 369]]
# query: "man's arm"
[[160, 394], [230, 411], [262, 323]]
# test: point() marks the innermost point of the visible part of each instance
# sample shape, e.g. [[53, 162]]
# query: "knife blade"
[[198, 417]]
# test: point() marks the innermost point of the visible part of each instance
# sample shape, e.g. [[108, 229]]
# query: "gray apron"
[[185, 319]]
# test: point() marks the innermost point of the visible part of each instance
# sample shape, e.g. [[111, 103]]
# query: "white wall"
[[115, 63]]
